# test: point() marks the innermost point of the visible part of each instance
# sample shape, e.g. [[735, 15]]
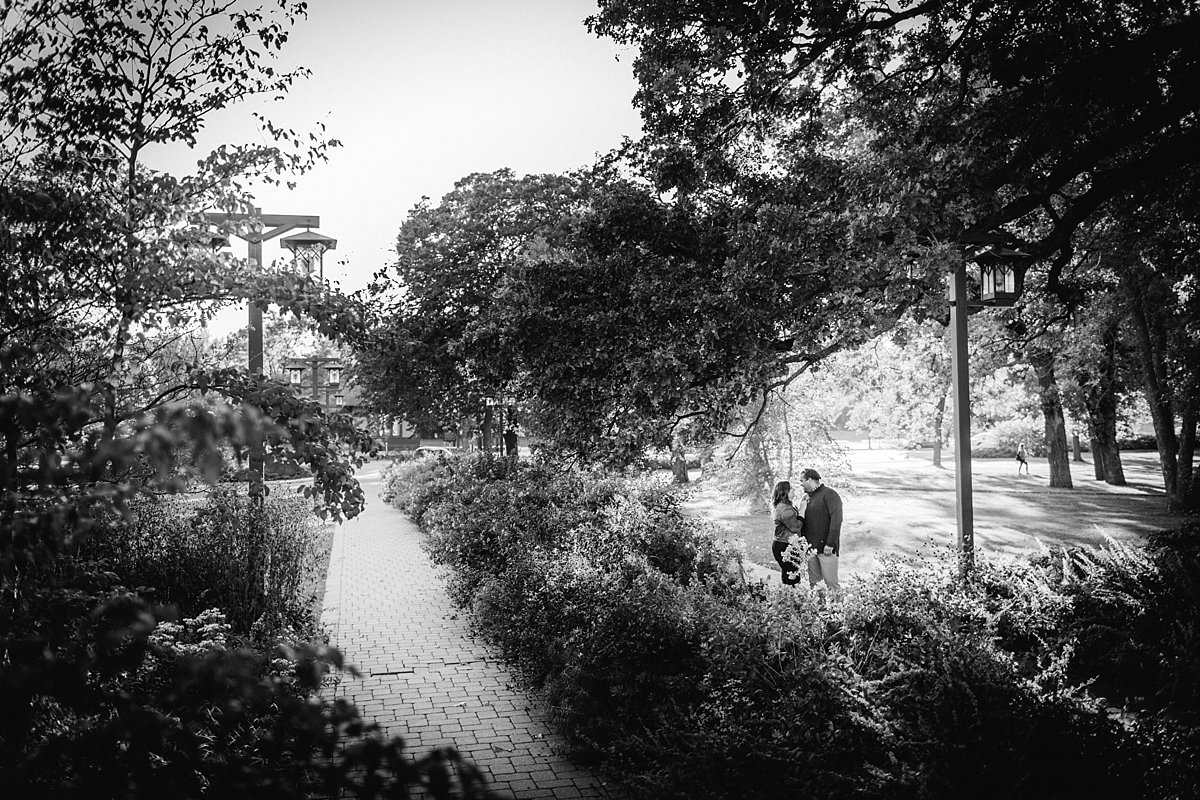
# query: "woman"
[[788, 522]]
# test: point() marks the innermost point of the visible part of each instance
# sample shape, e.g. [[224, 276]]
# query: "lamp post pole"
[[1002, 279], [963, 498], [281, 223]]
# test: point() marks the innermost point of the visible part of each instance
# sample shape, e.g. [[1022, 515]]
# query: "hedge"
[[682, 681]]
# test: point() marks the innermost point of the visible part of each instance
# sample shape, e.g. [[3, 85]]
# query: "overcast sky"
[[424, 92]]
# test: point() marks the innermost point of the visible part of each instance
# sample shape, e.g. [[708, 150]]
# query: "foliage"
[[687, 683], [104, 270], [128, 705], [1133, 620], [791, 434], [1025, 118], [1001, 440], [538, 287], [253, 561], [954, 127], [927, 646], [104, 265]]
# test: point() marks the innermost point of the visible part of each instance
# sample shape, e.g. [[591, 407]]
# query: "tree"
[[902, 378], [1135, 327], [431, 354], [1156, 251], [102, 266], [103, 256], [1025, 119], [1094, 355], [949, 125], [613, 312]]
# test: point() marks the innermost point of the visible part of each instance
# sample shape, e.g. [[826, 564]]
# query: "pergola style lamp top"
[[1001, 274], [307, 245], [308, 240]]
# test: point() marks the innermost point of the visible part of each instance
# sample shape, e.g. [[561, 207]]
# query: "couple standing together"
[[818, 519]]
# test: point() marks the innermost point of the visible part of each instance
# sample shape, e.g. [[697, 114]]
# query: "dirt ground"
[[896, 501]]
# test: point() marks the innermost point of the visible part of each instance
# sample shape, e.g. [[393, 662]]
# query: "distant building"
[[323, 379]]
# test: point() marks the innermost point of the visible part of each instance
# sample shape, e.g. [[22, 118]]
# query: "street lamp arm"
[[294, 220], [271, 234]]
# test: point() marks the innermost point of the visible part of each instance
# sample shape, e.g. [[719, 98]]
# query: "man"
[[822, 530]]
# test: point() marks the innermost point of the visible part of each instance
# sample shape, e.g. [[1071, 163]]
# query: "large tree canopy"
[[1013, 117], [810, 175], [612, 312]]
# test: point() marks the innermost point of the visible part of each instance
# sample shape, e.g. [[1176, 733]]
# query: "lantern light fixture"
[[1001, 274], [309, 248]]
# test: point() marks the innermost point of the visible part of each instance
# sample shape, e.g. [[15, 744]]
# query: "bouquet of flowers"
[[797, 551]]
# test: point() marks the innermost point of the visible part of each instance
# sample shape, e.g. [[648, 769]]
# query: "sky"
[[422, 93]]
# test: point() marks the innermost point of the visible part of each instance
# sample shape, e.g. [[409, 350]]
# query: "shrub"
[[1138, 442], [1133, 621], [661, 460], [168, 711], [257, 563], [928, 648], [686, 684], [1117, 626]]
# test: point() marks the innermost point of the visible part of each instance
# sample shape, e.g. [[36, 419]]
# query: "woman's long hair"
[[780, 495]]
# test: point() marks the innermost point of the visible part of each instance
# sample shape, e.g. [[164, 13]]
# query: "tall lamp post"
[[254, 237], [1001, 280]]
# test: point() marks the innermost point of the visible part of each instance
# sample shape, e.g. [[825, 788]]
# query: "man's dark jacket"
[[823, 519]]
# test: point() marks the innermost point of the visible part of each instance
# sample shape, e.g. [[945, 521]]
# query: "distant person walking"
[[1022, 458], [788, 521], [823, 531]]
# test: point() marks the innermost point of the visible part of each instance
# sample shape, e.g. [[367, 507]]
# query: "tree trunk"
[[1189, 484], [939, 419], [678, 462], [487, 431], [1076, 449], [1097, 454], [1162, 411], [1099, 382], [1102, 419], [787, 429], [1059, 457]]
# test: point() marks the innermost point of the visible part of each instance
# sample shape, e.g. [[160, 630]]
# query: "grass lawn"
[[896, 501]]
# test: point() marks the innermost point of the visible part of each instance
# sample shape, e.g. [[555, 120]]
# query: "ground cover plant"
[[684, 681]]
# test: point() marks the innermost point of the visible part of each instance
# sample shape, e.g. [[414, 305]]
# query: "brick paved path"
[[424, 677]]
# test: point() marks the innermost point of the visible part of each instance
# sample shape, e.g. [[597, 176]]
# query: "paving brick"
[[424, 676]]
